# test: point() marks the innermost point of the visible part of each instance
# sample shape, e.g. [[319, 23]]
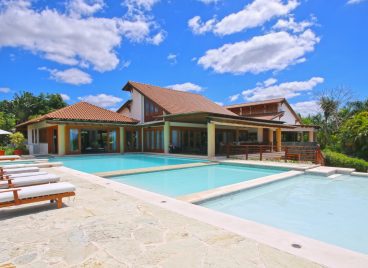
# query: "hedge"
[[341, 160]]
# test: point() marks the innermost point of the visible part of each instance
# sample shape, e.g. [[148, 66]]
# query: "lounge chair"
[[9, 182], [27, 174], [9, 157], [33, 194], [8, 171]]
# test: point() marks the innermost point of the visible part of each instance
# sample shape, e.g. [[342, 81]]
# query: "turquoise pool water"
[[104, 163], [191, 180], [330, 210]]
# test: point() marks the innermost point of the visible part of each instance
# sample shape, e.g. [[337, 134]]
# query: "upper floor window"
[[151, 110]]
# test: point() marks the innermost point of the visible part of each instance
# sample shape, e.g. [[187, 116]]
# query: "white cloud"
[[186, 87], [252, 15], [68, 39], [283, 90], [270, 81], [102, 100], [291, 24], [69, 76], [273, 51], [172, 58], [80, 8], [352, 2], [199, 27], [158, 38], [306, 108], [207, 2], [126, 64], [135, 5], [219, 103], [4, 89], [234, 97], [65, 97]]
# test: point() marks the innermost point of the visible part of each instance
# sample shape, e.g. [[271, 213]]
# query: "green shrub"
[[9, 151], [341, 160], [18, 140]]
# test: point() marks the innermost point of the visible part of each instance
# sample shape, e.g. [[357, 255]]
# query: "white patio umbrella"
[[3, 132]]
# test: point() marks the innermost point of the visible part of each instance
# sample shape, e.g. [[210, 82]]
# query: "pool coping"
[[108, 174], [199, 197], [270, 164], [312, 249]]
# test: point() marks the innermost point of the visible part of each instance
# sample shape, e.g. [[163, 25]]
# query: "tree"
[[26, 105], [7, 121], [353, 135]]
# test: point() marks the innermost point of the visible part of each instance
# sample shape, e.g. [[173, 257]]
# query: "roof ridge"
[[268, 100], [166, 88]]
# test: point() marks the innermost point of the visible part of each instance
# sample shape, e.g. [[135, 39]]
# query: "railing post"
[[286, 153], [260, 153]]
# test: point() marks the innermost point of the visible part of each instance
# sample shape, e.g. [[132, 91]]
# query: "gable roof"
[[125, 105], [272, 101], [83, 111], [278, 100], [177, 102]]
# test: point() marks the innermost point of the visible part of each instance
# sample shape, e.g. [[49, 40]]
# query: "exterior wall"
[[125, 112], [137, 106], [288, 117]]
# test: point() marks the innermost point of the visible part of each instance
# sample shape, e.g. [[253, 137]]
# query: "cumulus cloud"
[[70, 39], [284, 90], [219, 103], [292, 25], [172, 58], [71, 76], [65, 97], [353, 2], [102, 100], [273, 51], [234, 97], [306, 108], [80, 8], [186, 87], [252, 15], [207, 2], [4, 89]]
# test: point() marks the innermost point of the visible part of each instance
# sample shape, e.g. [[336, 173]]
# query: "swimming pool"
[[192, 180], [331, 210], [105, 163]]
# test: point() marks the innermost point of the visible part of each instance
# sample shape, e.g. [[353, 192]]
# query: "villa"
[[163, 120]]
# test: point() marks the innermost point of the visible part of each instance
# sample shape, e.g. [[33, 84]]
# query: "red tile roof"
[[177, 102], [279, 100], [84, 111]]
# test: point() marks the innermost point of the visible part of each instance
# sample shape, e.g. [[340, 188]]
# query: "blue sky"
[[230, 51]]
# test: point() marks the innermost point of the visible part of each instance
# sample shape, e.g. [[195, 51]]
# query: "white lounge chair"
[[27, 174], [9, 157], [33, 194], [28, 181], [8, 171]]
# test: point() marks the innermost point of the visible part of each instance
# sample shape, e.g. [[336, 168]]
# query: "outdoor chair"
[[9, 182], [33, 194]]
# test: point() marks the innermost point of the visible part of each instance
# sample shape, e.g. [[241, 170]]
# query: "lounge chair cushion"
[[32, 180], [38, 191], [20, 170], [5, 157], [28, 174]]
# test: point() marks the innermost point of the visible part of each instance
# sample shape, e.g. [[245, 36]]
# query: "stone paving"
[[104, 228]]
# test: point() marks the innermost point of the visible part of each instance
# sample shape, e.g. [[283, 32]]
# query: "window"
[[151, 110], [112, 140], [74, 140]]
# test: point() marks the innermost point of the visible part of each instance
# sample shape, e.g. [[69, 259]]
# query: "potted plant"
[[17, 139], [2, 150]]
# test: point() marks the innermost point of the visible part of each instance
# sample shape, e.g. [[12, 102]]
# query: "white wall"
[[288, 116], [136, 107]]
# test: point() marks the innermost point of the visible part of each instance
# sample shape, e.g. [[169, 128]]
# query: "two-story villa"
[[160, 120]]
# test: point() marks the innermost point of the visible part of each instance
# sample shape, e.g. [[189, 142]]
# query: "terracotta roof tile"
[[84, 111], [279, 100], [178, 102]]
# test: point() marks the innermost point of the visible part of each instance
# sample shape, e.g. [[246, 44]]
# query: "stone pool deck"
[[104, 228]]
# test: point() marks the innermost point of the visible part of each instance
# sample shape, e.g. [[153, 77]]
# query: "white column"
[[211, 140], [122, 139], [311, 136], [166, 137], [260, 134], [61, 139]]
